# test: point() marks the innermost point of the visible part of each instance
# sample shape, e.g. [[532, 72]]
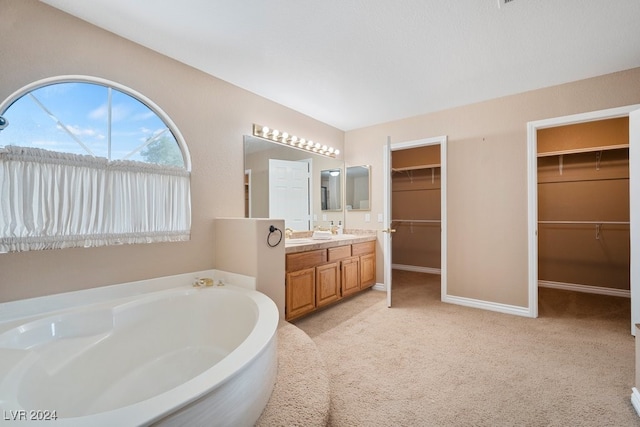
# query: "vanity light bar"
[[294, 141]]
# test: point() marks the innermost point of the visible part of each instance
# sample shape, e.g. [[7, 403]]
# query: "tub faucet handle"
[[203, 281]]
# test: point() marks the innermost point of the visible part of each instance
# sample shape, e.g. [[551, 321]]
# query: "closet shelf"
[[583, 150], [417, 167], [586, 222], [417, 220]]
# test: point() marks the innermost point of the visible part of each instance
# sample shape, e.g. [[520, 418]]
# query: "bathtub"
[[176, 356]]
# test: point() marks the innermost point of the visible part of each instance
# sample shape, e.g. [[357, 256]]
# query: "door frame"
[[386, 163], [532, 192]]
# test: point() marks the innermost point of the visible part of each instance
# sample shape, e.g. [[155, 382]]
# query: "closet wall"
[[415, 208], [583, 204]]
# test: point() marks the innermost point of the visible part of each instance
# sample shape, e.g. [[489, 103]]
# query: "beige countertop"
[[308, 244]]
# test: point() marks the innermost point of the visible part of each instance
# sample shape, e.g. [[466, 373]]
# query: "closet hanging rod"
[[586, 222], [583, 180], [416, 220], [416, 189]]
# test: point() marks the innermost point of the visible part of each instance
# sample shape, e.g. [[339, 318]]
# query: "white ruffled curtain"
[[51, 200]]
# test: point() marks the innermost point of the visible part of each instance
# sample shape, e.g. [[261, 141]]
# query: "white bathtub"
[[180, 356]]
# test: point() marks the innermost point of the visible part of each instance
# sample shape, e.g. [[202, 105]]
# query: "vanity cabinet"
[[300, 282], [320, 277], [350, 275], [366, 252], [327, 284], [300, 292]]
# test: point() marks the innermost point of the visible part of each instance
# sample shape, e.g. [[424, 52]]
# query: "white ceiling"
[[354, 63]]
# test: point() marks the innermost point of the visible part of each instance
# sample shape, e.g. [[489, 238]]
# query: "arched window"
[[87, 162]]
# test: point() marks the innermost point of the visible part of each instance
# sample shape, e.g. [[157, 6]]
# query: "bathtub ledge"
[[45, 305]]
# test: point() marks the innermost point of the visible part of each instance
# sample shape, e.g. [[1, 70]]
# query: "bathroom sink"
[[307, 241], [294, 242], [345, 236]]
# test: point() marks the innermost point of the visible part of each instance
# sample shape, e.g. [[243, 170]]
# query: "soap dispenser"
[[339, 231]]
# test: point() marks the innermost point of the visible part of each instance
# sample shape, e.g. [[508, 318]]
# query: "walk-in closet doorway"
[[582, 176], [415, 209]]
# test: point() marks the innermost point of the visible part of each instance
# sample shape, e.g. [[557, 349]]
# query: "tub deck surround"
[[302, 241], [151, 353], [15, 310]]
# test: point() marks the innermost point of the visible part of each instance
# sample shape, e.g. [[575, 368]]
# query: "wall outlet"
[[324, 217], [367, 217], [380, 219]]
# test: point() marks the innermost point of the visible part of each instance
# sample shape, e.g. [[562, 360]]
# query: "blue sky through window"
[[79, 116]]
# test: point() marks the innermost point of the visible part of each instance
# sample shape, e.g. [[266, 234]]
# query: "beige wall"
[[39, 42], [245, 246], [487, 177]]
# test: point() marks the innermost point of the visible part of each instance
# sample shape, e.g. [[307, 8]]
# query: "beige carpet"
[[426, 363], [301, 394]]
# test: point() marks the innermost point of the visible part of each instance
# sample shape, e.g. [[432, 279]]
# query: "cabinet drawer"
[[363, 248], [304, 260], [339, 252]]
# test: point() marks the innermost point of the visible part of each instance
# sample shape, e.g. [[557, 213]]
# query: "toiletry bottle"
[[333, 228], [339, 227]]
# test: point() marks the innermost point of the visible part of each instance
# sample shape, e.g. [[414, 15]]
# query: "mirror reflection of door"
[[323, 198], [331, 190], [247, 193], [289, 193]]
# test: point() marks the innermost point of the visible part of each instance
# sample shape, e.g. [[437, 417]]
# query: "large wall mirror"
[[286, 182], [358, 188]]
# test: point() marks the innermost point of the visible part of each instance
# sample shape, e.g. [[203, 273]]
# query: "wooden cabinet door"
[[367, 270], [300, 293], [350, 275], [327, 284]]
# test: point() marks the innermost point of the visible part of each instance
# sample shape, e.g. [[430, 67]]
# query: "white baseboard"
[[635, 399], [379, 287], [416, 268], [486, 305], [585, 288]]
